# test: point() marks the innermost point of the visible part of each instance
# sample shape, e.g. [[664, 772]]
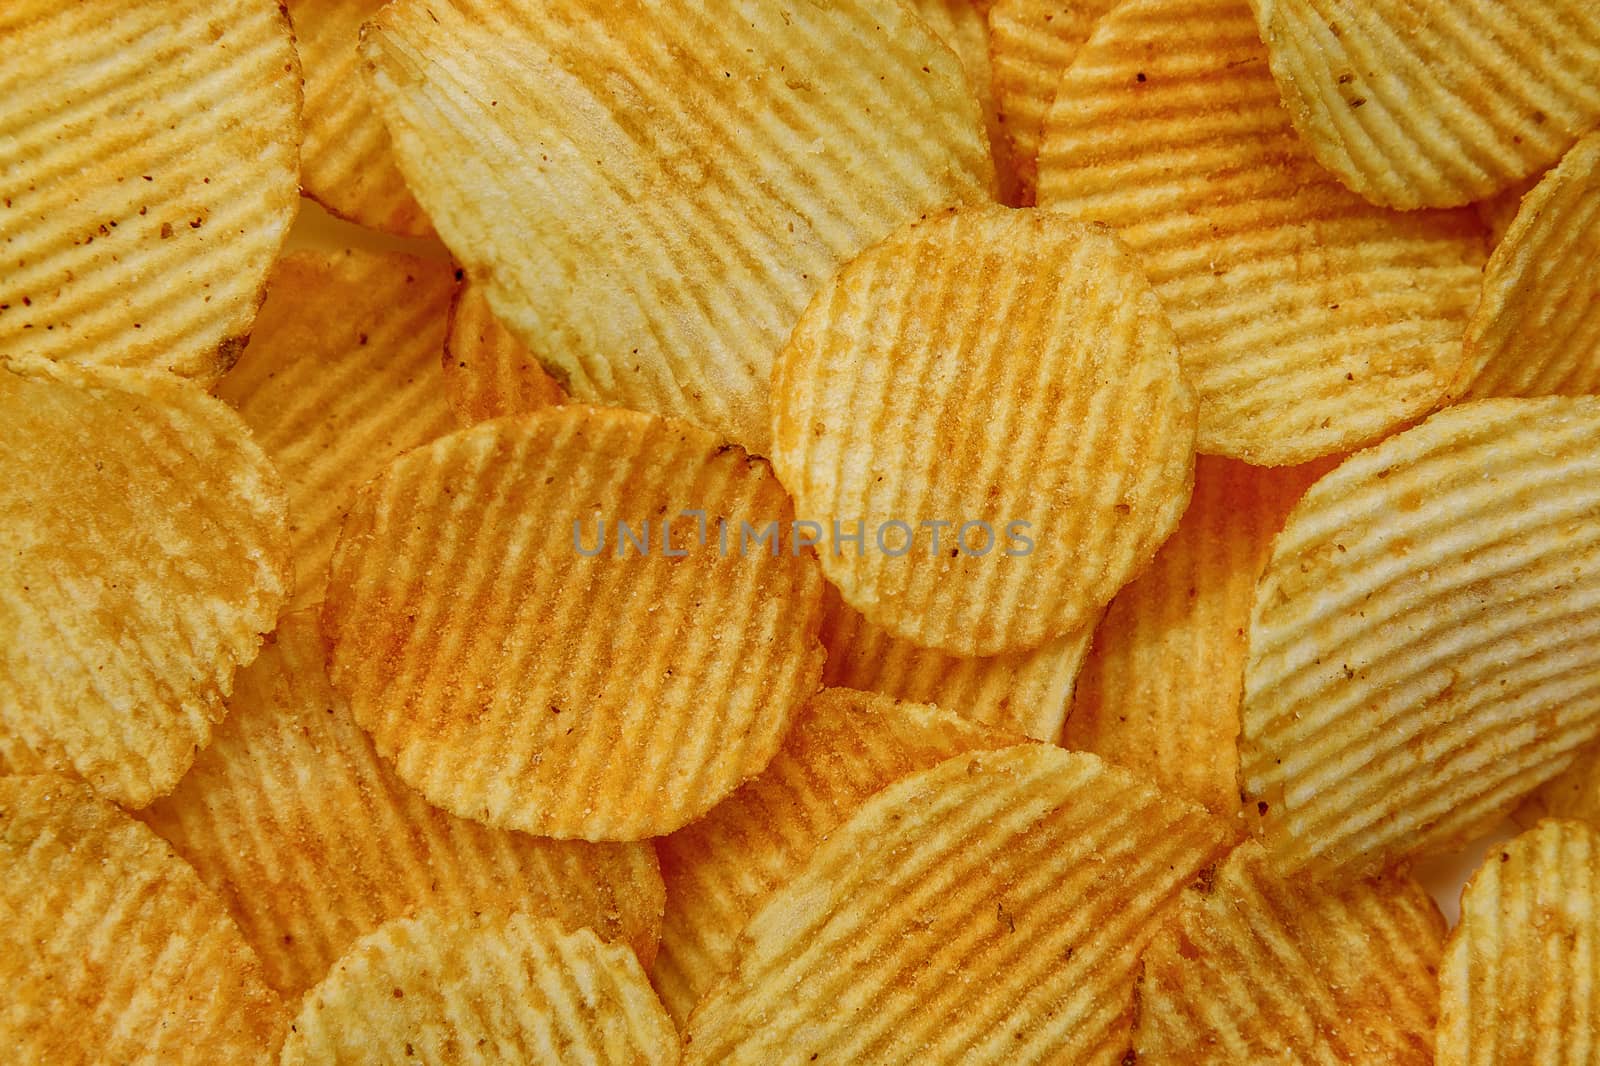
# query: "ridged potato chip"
[[523, 665], [1500, 210], [844, 746], [1573, 793], [963, 25], [1425, 643], [650, 195], [991, 909], [146, 547], [1309, 321], [1435, 103], [150, 177], [312, 841], [487, 371], [482, 990], [937, 386], [111, 950]]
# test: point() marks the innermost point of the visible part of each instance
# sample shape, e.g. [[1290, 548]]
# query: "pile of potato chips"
[[874, 531]]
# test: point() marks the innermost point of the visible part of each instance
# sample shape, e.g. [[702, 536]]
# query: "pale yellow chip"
[[1435, 103], [1519, 982], [522, 671], [963, 25], [1045, 424], [843, 747], [448, 987], [146, 551], [650, 195], [312, 841], [111, 950], [989, 910], [1309, 321], [150, 177], [1425, 643], [489, 373], [1257, 968]]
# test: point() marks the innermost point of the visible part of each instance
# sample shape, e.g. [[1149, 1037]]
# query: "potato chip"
[[904, 411], [481, 990], [111, 950], [991, 909], [1518, 984], [150, 177], [312, 841], [1309, 321], [489, 373], [341, 375], [146, 552], [963, 26], [1573, 793], [1425, 643], [649, 197], [1254, 967], [843, 747], [1499, 210], [569, 622], [1435, 103]]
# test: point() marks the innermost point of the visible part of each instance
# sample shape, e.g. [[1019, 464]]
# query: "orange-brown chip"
[[487, 371]]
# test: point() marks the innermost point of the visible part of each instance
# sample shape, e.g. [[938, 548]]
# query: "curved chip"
[[964, 27], [1309, 321], [151, 175], [1425, 643], [507, 623], [1001, 501], [111, 950], [844, 746], [480, 990], [146, 552], [488, 372], [312, 841], [1500, 210], [991, 909], [1435, 103], [651, 198], [1573, 793]]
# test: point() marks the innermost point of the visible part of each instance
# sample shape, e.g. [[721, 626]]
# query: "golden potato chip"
[[111, 950], [963, 26], [1309, 321], [1435, 103], [904, 410], [488, 372], [1573, 793], [844, 746], [146, 552], [1499, 210], [150, 177], [1518, 984], [1425, 643], [482, 990], [1256, 968], [312, 841], [340, 376], [578, 622], [991, 909], [649, 197]]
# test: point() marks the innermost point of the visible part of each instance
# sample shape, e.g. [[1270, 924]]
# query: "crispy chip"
[[1434, 103], [489, 373], [650, 196], [312, 841], [1573, 793], [341, 375], [1500, 210], [991, 909], [1309, 321], [963, 25], [522, 671], [111, 950], [482, 990], [844, 746], [901, 402], [1255, 968], [150, 177], [1425, 644], [146, 551]]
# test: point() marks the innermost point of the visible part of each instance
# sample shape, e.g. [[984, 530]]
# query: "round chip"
[[146, 552], [150, 177], [111, 950], [507, 622], [488, 372], [1309, 321], [480, 991], [963, 26], [1010, 451], [1425, 643]]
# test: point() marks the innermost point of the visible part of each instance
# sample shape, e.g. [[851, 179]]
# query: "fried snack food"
[[964, 26], [487, 371], [150, 177], [146, 546], [1573, 793], [937, 386]]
